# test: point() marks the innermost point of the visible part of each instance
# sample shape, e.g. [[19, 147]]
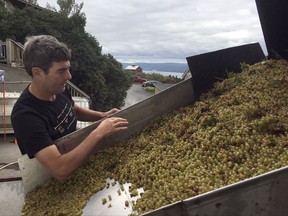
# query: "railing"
[[3, 52], [76, 92], [11, 53], [19, 86]]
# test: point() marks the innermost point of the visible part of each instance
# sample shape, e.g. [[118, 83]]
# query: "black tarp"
[[273, 15], [211, 67]]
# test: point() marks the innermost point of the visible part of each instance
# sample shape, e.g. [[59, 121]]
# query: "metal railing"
[[76, 92], [19, 86]]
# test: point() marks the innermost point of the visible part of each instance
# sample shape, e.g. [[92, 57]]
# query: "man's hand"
[[110, 112], [111, 125]]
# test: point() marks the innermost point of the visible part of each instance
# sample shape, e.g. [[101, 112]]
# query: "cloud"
[[170, 30]]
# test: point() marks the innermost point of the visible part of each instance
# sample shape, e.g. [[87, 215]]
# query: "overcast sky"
[[169, 30]]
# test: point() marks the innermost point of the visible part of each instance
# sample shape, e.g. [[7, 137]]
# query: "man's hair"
[[42, 50]]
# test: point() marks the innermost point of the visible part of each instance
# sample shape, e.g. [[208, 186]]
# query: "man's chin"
[[62, 89]]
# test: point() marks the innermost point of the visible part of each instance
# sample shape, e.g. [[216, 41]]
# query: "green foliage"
[[3, 20], [69, 7], [150, 89], [99, 75], [154, 76], [244, 67], [115, 84]]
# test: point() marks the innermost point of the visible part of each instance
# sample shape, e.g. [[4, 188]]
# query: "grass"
[[150, 89]]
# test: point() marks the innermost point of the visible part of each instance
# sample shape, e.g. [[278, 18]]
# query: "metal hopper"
[[140, 114], [262, 195]]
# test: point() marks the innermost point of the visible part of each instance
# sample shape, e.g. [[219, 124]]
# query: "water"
[[165, 73]]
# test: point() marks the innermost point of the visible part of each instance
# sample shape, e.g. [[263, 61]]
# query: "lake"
[[165, 73]]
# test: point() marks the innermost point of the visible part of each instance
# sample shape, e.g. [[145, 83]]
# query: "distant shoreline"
[[165, 73], [160, 67]]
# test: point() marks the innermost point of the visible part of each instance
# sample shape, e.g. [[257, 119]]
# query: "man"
[[45, 110]]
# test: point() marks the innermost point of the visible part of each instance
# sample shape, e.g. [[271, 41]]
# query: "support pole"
[[2, 80], [4, 111]]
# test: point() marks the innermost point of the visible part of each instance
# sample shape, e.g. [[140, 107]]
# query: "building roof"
[[132, 67], [22, 4]]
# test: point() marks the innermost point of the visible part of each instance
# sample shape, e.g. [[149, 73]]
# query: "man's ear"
[[36, 72]]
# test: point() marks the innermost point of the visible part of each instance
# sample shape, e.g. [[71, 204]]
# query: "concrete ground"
[[9, 154], [135, 94]]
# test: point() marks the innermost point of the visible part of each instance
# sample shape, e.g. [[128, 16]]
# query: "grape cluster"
[[237, 130]]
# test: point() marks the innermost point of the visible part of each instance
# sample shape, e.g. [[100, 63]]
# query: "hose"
[[3, 167]]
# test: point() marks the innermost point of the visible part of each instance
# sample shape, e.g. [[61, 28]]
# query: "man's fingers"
[[119, 121]]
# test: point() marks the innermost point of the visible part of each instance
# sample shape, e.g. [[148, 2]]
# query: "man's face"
[[56, 78]]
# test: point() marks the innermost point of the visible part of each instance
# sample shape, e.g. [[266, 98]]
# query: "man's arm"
[[62, 166], [86, 114]]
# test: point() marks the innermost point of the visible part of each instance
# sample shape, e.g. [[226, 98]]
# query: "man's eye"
[[62, 71]]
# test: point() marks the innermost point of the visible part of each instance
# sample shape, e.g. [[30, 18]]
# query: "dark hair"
[[42, 50]]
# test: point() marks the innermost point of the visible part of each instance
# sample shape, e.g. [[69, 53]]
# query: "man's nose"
[[68, 75]]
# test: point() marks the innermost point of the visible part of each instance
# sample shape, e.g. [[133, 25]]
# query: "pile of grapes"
[[237, 130]]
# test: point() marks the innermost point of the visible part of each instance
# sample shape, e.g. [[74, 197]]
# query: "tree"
[[3, 21], [112, 73], [67, 8], [32, 1]]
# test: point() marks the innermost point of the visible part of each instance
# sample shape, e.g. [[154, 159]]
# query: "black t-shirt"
[[38, 123]]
